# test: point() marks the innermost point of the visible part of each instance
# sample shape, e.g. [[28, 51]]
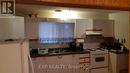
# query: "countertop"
[[12, 41], [75, 52], [62, 53], [119, 51]]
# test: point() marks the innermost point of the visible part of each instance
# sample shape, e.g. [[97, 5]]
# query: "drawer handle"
[[59, 57]]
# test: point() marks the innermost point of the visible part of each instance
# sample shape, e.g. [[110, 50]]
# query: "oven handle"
[[100, 54]]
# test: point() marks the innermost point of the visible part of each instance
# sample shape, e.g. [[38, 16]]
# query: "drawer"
[[99, 70], [84, 55]]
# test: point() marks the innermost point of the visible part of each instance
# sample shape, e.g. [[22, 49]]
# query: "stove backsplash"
[[113, 44], [94, 38]]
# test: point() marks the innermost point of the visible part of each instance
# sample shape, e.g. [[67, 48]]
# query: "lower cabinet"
[[118, 62], [52, 63], [75, 63], [39, 65], [66, 63], [61, 64]]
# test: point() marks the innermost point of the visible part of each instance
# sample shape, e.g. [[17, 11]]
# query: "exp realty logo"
[[7, 6]]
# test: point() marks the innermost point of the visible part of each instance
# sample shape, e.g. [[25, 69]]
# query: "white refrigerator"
[[13, 54]]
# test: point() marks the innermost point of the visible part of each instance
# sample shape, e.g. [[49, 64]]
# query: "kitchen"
[[83, 59]]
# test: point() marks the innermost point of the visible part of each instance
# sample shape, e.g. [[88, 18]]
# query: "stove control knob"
[[81, 66], [87, 68]]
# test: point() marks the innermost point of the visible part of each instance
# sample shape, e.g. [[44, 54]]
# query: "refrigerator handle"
[[30, 64]]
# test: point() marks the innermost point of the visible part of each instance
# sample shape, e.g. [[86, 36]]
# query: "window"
[[55, 32]]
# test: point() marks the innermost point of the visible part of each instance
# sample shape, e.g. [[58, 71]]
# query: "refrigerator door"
[[13, 57], [12, 28]]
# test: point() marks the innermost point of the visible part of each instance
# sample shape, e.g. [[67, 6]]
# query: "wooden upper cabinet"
[[105, 4], [81, 25], [106, 27]]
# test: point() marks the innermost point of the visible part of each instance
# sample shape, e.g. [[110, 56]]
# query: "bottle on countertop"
[[120, 45], [117, 44], [122, 48], [72, 45]]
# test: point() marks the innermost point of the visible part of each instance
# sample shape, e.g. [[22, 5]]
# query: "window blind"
[[55, 32]]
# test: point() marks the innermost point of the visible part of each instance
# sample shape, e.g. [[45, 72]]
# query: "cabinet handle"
[[59, 57], [93, 29], [87, 68]]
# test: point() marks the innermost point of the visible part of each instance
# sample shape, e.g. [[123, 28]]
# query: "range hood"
[[93, 32]]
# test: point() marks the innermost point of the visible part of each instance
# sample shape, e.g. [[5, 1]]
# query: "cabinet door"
[[35, 65], [66, 62], [39, 65], [52, 63], [81, 26], [75, 64], [107, 27], [122, 62], [42, 64]]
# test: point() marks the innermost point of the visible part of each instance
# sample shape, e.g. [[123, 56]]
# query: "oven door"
[[99, 60]]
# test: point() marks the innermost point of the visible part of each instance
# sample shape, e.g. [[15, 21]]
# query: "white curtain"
[[54, 32]]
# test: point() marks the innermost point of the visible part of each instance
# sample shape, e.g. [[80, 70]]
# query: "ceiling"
[[20, 7], [39, 9]]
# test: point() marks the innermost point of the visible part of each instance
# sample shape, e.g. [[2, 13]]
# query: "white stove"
[[98, 60]]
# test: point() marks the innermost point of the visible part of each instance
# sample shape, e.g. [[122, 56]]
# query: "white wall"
[[31, 24], [121, 26]]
